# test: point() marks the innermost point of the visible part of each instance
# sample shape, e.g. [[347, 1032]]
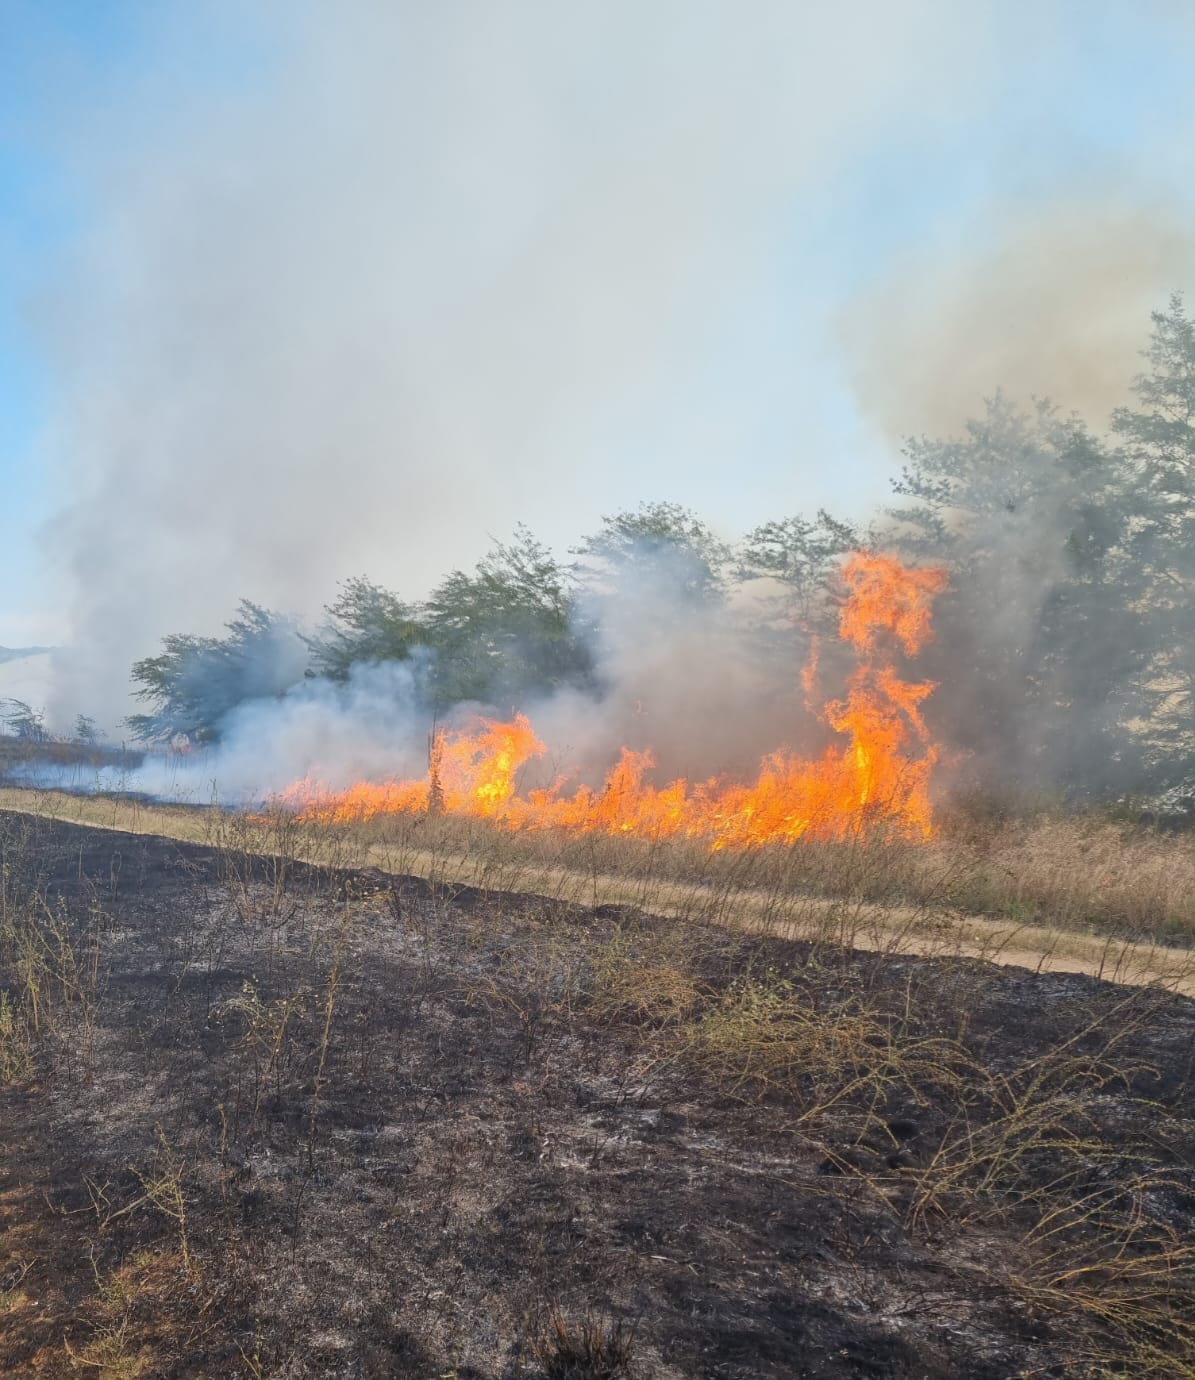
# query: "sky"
[[292, 292]]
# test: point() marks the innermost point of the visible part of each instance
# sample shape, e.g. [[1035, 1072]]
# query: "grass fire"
[[597, 691], [879, 777]]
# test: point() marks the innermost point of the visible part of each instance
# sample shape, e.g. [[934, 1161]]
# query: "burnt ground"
[[257, 1119]]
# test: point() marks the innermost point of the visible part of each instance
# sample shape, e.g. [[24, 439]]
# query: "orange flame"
[[879, 776]]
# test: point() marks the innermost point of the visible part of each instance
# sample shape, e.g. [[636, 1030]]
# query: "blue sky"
[[634, 254], [36, 219], [60, 62]]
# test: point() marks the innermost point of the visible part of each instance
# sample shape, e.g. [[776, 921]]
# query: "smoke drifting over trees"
[[353, 297], [354, 293], [1062, 654]]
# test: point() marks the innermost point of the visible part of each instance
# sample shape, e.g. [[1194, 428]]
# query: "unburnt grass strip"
[[277, 1119], [969, 894]]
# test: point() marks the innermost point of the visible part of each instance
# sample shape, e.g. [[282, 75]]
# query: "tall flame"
[[879, 775]]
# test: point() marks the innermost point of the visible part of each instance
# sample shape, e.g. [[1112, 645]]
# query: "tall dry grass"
[[1077, 872], [1080, 891]]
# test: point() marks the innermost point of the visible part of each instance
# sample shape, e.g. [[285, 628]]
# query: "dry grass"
[[1028, 1151], [586, 1349], [1068, 894]]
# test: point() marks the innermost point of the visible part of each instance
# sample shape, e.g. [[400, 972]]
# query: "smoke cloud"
[[1051, 302], [355, 295], [693, 683], [426, 271]]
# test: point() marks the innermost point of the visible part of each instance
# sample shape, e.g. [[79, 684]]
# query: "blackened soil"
[[280, 1122]]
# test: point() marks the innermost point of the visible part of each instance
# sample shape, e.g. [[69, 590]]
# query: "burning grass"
[[845, 847], [268, 1118], [876, 778]]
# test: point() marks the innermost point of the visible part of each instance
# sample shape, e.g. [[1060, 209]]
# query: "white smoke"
[[369, 727], [358, 288], [1050, 301], [355, 291]]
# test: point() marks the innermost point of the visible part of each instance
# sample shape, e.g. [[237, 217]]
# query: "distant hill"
[[18, 653], [26, 673]]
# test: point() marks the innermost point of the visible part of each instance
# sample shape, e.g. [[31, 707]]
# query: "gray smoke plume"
[[1052, 302], [362, 288], [356, 291], [694, 682]]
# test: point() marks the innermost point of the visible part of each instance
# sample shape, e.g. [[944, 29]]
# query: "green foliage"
[[367, 624], [662, 547], [506, 627], [1159, 436], [195, 682], [513, 626], [1038, 649], [800, 555], [1035, 482], [1162, 430]]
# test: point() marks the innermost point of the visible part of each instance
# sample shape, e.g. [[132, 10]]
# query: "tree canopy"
[[195, 682], [1158, 435]]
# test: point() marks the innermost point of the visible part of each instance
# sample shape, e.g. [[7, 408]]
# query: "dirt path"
[[869, 926]]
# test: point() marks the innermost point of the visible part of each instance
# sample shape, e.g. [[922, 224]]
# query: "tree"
[[194, 683], [1159, 436], [506, 627], [85, 731], [659, 547], [23, 721], [799, 555], [367, 624], [1039, 651]]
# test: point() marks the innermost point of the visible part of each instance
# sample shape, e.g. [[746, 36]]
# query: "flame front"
[[878, 776]]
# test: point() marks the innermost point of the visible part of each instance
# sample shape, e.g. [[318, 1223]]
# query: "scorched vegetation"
[[267, 1116]]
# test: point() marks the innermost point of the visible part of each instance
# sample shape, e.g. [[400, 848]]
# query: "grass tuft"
[[589, 1348]]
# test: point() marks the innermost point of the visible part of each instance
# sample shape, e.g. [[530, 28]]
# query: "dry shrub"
[[1026, 1152], [648, 983], [586, 1349], [16, 1055], [1029, 1152], [761, 1032], [1077, 871], [1087, 872]]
